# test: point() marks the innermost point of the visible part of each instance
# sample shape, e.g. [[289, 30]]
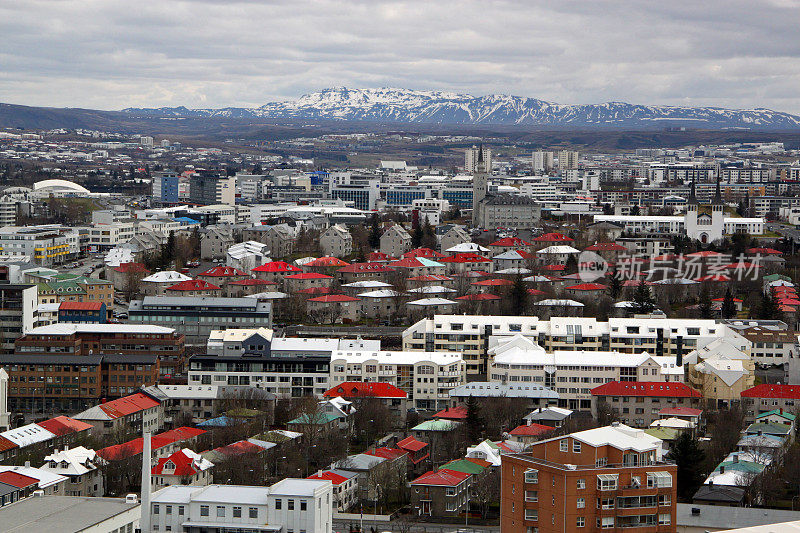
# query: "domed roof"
[[62, 185]]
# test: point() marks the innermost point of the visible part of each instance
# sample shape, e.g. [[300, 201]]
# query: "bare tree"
[[486, 490]]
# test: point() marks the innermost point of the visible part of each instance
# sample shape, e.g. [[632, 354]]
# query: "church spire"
[[692, 194], [717, 193]]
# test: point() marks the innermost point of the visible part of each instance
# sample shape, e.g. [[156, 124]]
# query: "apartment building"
[[208, 188], [637, 403], [612, 477], [81, 466], [336, 241], [297, 505], [288, 367], [427, 377], [18, 313], [768, 397], [196, 317], [101, 237], [46, 245], [573, 374], [471, 335]]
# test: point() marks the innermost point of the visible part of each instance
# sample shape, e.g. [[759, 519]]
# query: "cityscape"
[[407, 297]]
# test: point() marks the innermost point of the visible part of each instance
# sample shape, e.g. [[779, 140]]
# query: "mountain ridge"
[[400, 105]]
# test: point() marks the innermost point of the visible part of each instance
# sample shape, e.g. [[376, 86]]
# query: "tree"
[[374, 232], [486, 490], [728, 305], [767, 308], [605, 413], [417, 235], [474, 423], [643, 301], [704, 306], [572, 264], [689, 458], [518, 296], [615, 285]]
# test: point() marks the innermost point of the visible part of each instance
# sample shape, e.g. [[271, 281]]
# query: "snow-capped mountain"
[[437, 107]]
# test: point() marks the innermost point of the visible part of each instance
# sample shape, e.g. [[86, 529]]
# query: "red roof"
[[15, 479], [277, 266], [552, 237], [430, 277], [360, 268], [556, 268], [587, 287], [362, 389], [308, 275], [536, 292], [443, 477], [466, 257], [222, 271], [407, 262], [766, 390], [531, 430], [635, 282], [423, 252], [704, 253], [646, 388], [184, 465], [327, 261], [723, 299], [128, 405], [252, 281], [454, 413], [485, 296], [333, 477], [606, 247], [389, 454], [334, 298], [64, 425], [239, 448], [379, 256], [132, 267], [493, 282], [788, 301], [6, 444], [194, 285], [134, 447], [512, 242], [80, 306], [764, 251], [411, 444], [680, 411], [315, 290]]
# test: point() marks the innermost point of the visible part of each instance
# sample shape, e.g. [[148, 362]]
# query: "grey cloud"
[[112, 54]]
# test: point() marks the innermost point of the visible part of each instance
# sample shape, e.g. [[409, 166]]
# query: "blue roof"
[[220, 421], [186, 219]]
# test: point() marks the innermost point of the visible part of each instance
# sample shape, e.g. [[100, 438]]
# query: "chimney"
[[144, 522], [27, 464], [760, 432], [528, 422], [781, 410], [722, 470]]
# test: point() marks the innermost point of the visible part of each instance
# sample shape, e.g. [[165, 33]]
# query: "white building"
[[427, 377], [81, 466], [5, 415], [47, 245], [296, 505], [542, 161], [471, 158]]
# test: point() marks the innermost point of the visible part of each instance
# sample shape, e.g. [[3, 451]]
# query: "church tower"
[[717, 213], [480, 184]]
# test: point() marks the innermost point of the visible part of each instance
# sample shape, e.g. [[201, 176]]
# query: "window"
[[605, 503], [278, 504], [659, 479], [531, 496], [237, 512], [169, 509], [531, 476], [607, 481], [156, 509], [576, 446], [220, 511], [664, 499], [532, 514], [563, 445], [204, 510], [664, 519], [581, 484], [181, 510], [451, 491], [581, 503], [580, 521], [607, 522], [290, 505], [253, 512]]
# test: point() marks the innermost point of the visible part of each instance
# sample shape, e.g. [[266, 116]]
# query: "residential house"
[[395, 241], [81, 466], [183, 467], [336, 241]]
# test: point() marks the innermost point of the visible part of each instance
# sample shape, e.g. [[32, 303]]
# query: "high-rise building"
[[5, 416], [166, 186], [472, 155], [567, 160], [603, 478], [212, 189], [542, 161]]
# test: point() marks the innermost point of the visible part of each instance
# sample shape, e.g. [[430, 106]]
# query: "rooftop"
[[60, 513]]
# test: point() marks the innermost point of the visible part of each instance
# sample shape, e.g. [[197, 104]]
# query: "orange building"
[[609, 478]]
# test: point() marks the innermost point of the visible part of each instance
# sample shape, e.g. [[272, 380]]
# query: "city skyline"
[[213, 54]]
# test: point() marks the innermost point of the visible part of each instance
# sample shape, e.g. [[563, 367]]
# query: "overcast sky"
[[111, 54]]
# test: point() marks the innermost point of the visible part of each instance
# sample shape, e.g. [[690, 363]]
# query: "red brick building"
[[612, 477]]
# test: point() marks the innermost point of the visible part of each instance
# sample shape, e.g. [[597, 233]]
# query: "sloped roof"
[[646, 388], [15, 479], [552, 237], [411, 444], [365, 389], [80, 306], [194, 285], [422, 252], [531, 430], [64, 425], [453, 413], [441, 477], [223, 271], [277, 266], [333, 298], [360, 268], [467, 465], [606, 247], [510, 242], [327, 261], [186, 463], [308, 275]]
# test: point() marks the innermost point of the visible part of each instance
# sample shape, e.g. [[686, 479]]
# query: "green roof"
[[316, 419], [768, 428], [784, 414], [742, 466], [776, 277], [436, 425], [663, 433], [244, 412], [464, 465]]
